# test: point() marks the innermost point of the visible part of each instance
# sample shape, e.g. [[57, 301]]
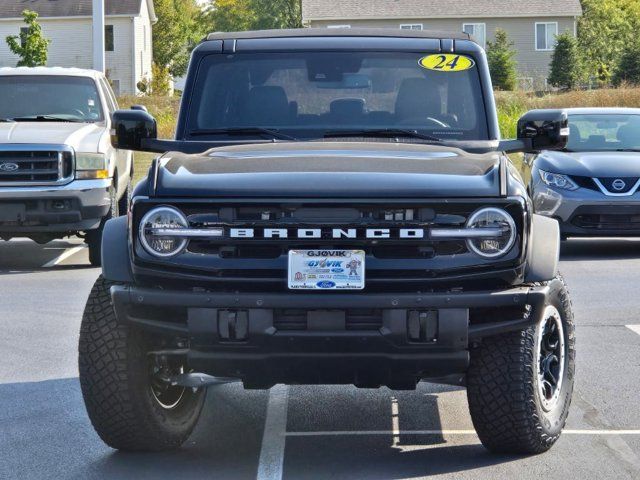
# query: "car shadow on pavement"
[[46, 433], [26, 256], [600, 249]]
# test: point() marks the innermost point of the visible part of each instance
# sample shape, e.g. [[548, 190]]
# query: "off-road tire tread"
[[501, 396], [107, 385]]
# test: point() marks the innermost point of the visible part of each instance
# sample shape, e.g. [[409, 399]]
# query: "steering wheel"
[[426, 121]]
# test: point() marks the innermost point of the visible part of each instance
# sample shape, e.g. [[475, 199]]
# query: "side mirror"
[[130, 127], [544, 130]]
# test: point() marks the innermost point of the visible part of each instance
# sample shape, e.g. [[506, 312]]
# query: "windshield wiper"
[[7, 120], [382, 132], [628, 150], [45, 118], [244, 131]]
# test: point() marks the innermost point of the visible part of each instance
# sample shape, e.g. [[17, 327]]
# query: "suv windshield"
[[318, 94], [49, 98], [604, 132]]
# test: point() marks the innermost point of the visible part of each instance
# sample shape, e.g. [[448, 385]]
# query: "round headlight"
[[152, 226], [500, 232]]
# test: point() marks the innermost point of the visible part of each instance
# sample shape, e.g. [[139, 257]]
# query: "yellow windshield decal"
[[446, 62]]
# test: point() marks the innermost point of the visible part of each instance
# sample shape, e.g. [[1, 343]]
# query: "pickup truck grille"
[[22, 165]]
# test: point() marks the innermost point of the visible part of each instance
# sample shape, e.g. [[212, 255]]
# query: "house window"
[[338, 26], [108, 38], [546, 36], [24, 31], [478, 31], [411, 26]]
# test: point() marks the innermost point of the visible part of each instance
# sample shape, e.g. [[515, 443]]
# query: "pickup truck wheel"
[[131, 405], [123, 203], [519, 384], [93, 238]]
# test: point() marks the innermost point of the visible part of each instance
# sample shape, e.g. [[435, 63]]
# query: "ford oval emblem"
[[9, 167], [618, 184], [325, 284]]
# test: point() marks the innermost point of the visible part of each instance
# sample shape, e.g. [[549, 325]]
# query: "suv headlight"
[[496, 232], [151, 229], [91, 166], [558, 180]]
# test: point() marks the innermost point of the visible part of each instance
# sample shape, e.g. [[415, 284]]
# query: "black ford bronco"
[[337, 208]]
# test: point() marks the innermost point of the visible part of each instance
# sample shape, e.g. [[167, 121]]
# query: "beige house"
[[68, 24], [531, 25]]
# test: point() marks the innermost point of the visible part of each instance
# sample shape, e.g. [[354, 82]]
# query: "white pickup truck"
[[59, 174]]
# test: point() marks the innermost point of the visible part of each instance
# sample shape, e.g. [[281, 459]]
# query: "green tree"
[[566, 63], [502, 63], [628, 68], [240, 15], [179, 28], [605, 30], [271, 14], [230, 16], [31, 46]]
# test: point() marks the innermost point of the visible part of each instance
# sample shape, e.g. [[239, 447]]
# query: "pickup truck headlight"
[[501, 226], [151, 231], [91, 166], [558, 180]]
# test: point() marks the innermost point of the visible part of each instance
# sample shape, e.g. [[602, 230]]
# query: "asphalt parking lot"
[[311, 432]]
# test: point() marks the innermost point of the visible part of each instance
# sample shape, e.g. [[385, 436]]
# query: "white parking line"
[[395, 421], [443, 432], [274, 436], [63, 256], [634, 328]]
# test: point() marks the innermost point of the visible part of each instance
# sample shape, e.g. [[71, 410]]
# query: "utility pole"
[[98, 36]]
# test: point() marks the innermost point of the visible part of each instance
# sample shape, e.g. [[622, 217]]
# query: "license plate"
[[326, 269], [12, 212]]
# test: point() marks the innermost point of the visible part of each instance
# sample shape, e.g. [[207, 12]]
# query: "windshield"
[[604, 132], [55, 97], [318, 94]]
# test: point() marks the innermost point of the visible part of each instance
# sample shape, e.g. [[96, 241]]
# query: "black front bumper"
[[365, 339], [603, 221]]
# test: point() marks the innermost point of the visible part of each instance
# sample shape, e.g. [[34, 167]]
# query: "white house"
[[68, 24]]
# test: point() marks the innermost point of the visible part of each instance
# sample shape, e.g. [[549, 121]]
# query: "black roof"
[[66, 8], [338, 32]]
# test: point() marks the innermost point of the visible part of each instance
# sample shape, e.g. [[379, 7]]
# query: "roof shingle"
[[66, 8], [381, 9]]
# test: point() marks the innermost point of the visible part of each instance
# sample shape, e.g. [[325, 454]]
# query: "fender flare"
[[544, 250], [116, 264]]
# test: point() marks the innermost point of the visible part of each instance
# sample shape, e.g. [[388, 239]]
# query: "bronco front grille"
[[30, 165], [258, 263]]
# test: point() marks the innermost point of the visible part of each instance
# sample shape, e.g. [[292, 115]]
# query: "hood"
[[83, 137], [330, 169], [591, 164]]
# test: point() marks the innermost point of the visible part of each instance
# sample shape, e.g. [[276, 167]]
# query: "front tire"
[[519, 384], [93, 238], [129, 405]]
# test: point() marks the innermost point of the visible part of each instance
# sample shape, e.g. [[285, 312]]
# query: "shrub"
[[502, 63], [566, 64], [628, 68], [160, 80]]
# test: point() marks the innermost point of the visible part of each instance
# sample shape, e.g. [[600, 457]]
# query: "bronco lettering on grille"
[[334, 233]]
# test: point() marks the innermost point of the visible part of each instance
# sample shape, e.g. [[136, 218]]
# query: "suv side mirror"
[[130, 127], [544, 129]]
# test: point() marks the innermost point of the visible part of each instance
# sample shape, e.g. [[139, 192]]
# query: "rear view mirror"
[[544, 130], [130, 127]]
